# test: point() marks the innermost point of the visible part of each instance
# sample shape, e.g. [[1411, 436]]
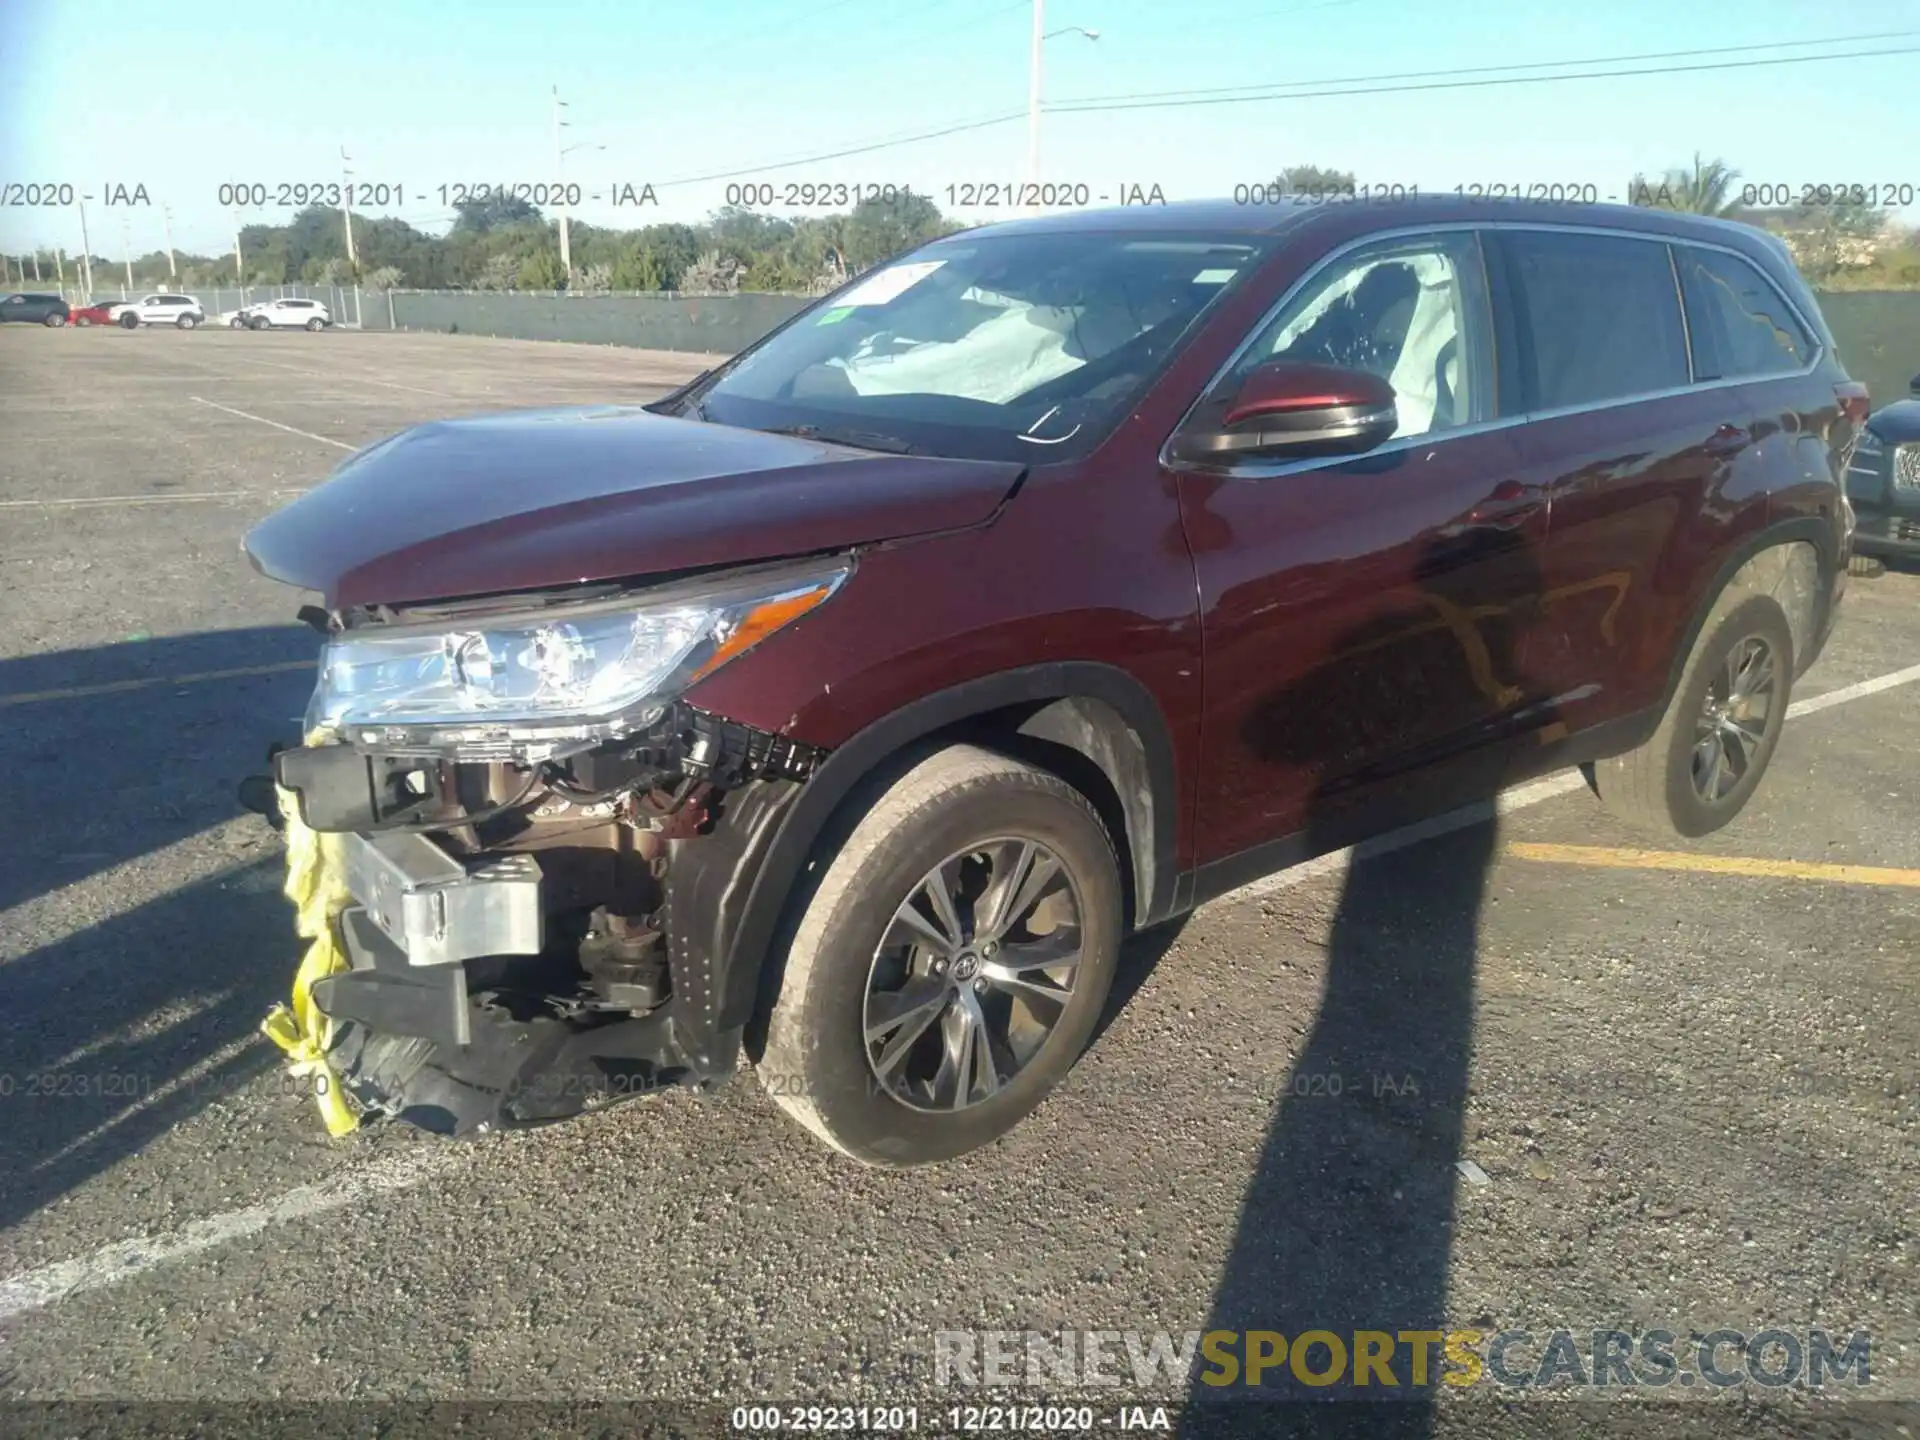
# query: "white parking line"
[[354, 379], [34, 1289], [113, 1263], [305, 434], [85, 502], [1508, 801]]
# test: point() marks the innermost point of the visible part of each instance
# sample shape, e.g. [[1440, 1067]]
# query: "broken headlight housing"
[[542, 684]]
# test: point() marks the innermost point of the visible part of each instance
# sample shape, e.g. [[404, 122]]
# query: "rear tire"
[[187, 322], [316, 324], [54, 322], [871, 1042], [1706, 759]]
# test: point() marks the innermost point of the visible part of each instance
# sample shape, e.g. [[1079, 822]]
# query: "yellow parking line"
[[116, 687], [1608, 857]]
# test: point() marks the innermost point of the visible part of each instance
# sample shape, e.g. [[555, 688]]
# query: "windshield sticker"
[[1214, 277], [890, 283], [834, 316]]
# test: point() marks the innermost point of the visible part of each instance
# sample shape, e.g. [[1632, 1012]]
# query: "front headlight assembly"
[[541, 685]]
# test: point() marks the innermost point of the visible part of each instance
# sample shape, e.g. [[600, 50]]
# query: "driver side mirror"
[[1288, 410], [1913, 386]]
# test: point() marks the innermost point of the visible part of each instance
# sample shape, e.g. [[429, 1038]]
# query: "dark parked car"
[[847, 707], [38, 309], [1883, 482]]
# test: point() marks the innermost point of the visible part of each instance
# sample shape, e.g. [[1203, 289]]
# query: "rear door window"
[[1596, 317], [1739, 323]]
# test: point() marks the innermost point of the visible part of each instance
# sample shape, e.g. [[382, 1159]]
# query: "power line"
[[1271, 85], [841, 154], [1122, 104], [1370, 85]]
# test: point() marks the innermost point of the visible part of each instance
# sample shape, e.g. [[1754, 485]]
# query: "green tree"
[[881, 226], [639, 268], [1311, 180], [1705, 188], [541, 271], [491, 211]]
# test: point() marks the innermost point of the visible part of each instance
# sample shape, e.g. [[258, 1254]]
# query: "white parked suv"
[[181, 310], [282, 314]]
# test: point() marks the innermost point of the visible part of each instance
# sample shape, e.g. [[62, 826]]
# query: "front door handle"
[[1728, 440], [1508, 506]]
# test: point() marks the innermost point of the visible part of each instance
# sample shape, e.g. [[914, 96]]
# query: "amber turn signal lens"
[[760, 622]]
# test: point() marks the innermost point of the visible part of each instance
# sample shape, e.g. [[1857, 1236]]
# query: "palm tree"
[[1705, 189]]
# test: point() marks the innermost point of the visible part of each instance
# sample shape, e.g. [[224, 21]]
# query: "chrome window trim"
[[1252, 470]]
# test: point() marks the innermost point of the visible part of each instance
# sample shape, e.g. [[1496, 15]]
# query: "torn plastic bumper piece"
[[410, 1042]]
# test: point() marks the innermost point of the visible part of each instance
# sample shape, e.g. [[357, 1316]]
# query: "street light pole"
[[86, 254], [166, 221], [126, 249], [346, 205], [1033, 91], [1034, 61], [560, 174]]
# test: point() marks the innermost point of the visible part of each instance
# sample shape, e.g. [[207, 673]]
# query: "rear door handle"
[[1508, 506], [1728, 440]]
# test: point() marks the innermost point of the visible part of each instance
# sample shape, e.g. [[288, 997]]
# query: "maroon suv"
[[850, 705]]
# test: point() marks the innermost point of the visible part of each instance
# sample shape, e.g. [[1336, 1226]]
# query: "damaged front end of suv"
[[522, 850], [517, 803]]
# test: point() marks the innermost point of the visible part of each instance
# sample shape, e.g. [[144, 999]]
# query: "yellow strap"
[[317, 888]]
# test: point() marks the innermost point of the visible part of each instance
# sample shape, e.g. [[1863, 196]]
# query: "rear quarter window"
[[1739, 323], [1597, 317]]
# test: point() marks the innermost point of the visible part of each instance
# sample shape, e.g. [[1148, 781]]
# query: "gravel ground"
[[1689, 1101]]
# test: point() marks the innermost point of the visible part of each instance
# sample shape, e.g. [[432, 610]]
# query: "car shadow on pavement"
[[112, 1036], [123, 1015], [1347, 1223], [111, 774]]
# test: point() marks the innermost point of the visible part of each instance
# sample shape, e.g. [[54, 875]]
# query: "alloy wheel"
[[1740, 711], [975, 970]]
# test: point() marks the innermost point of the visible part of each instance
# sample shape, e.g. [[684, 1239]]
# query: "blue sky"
[[433, 92]]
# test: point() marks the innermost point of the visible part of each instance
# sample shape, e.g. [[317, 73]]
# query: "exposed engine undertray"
[[462, 1065]]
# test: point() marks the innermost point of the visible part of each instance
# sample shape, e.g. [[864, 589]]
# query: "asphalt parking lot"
[[1622, 1091]]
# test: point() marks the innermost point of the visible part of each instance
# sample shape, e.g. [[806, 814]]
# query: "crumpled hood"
[[537, 498]]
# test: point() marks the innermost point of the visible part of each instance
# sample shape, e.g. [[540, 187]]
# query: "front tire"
[[911, 1029], [257, 323], [129, 321], [1704, 762]]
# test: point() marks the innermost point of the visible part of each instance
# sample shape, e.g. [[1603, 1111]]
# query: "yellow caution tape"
[[316, 884]]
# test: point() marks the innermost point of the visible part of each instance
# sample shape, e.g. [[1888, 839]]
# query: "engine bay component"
[[502, 941]]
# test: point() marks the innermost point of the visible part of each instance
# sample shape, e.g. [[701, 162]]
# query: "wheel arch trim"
[[1073, 702], [1800, 530]]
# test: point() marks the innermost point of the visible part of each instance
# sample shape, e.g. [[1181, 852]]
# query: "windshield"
[[995, 347]]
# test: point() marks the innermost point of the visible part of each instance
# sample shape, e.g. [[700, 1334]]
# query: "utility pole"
[[86, 255], [36, 264], [60, 266], [1033, 92], [239, 266], [166, 220], [346, 205], [126, 251], [559, 163]]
